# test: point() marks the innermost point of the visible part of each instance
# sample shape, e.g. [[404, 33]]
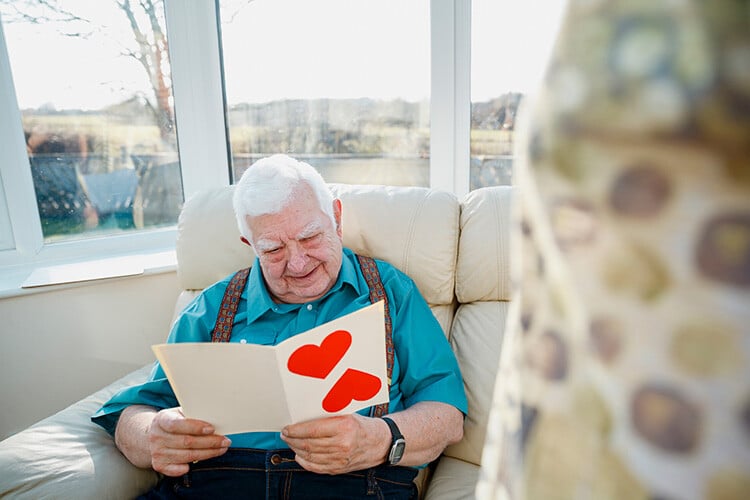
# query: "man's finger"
[[326, 444], [186, 456], [173, 421], [175, 461], [190, 441], [320, 428]]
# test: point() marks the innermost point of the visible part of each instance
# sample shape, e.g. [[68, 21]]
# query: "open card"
[[333, 369]]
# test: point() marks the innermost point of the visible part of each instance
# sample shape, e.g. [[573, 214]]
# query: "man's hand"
[[176, 441], [166, 440], [342, 444], [337, 445]]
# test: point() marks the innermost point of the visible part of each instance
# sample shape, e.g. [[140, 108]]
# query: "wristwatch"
[[398, 443]]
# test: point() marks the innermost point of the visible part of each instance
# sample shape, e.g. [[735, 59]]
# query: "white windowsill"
[[25, 280]]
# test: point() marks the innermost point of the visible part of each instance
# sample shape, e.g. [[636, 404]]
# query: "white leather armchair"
[[457, 253]]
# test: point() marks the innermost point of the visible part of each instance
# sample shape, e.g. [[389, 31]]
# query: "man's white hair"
[[268, 184]]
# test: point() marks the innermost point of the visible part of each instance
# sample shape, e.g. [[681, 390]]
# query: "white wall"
[[59, 346]]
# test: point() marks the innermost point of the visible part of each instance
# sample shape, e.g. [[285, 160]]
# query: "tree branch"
[[44, 12]]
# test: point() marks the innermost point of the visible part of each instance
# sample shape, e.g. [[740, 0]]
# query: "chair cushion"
[[476, 338], [453, 479], [413, 228], [208, 240], [483, 270]]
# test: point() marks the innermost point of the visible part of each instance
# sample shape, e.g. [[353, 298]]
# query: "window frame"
[[202, 137], [450, 99]]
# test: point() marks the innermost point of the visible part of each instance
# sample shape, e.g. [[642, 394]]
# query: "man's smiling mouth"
[[305, 276]]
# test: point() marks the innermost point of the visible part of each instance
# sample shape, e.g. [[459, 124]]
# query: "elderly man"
[[302, 277]]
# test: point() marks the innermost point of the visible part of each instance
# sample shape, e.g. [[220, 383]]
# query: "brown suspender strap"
[[223, 328], [222, 331], [377, 292]]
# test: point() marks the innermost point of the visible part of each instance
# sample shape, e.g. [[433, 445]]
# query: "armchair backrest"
[[413, 228]]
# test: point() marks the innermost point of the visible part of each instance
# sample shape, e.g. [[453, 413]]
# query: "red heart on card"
[[311, 360], [352, 385]]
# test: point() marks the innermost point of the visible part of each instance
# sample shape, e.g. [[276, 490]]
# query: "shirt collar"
[[259, 302]]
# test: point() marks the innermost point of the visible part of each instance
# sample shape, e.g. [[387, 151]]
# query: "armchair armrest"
[[68, 456]]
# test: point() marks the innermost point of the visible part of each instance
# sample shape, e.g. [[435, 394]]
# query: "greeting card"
[[333, 369]]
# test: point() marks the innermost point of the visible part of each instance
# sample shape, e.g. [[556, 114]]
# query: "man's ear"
[[337, 210], [244, 240]]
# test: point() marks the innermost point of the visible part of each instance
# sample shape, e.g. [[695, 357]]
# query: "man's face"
[[300, 250]]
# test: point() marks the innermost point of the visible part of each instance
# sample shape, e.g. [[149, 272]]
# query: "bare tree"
[[146, 21], [153, 55]]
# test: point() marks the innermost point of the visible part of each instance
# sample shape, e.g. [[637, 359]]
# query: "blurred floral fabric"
[[625, 373]]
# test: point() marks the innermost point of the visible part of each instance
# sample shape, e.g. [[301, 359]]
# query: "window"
[[343, 85], [511, 40], [92, 81], [6, 235], [368, 91]]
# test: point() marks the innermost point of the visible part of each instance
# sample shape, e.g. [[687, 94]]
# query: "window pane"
[[93, 84], [509, 47], [341, 84]]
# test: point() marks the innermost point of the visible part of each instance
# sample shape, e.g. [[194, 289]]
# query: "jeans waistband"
[[250, 458], [283, 460]]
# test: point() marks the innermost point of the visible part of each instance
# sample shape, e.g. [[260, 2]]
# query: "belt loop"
[[371, 484]]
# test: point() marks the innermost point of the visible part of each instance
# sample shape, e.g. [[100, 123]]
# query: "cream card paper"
[[334, 369]]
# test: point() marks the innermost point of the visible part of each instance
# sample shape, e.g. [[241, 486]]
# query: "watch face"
[[397, 451]]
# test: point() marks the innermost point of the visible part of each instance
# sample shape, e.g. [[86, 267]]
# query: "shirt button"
[[243, 341], [309, 307]]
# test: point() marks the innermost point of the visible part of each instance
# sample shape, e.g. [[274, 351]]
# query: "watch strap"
[[398, 443], [395, 431]]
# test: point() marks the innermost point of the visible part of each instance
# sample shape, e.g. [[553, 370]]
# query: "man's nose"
[[297, 259]]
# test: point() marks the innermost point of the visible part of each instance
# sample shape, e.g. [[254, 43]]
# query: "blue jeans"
[[273, 474]]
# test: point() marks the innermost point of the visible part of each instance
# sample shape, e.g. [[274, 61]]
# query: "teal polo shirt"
[[424, 368]]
